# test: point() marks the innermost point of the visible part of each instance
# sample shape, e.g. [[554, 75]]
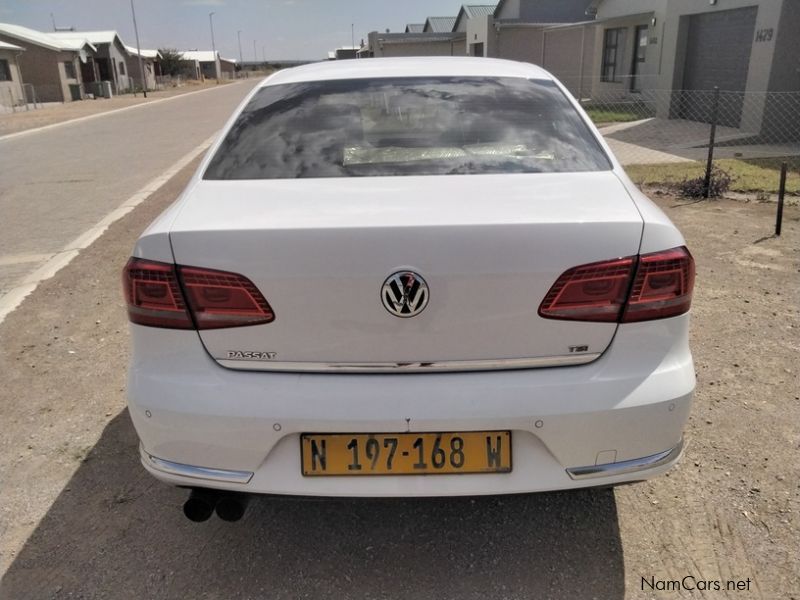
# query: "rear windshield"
[[410, 126]]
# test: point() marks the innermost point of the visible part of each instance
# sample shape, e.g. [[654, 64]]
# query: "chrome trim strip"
[[628, 466], [173, 468], [411, 367]]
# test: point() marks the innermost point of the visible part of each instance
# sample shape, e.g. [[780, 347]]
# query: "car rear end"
[[386, 276]]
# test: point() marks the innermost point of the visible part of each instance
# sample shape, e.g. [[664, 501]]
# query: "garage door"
[[717, 54]]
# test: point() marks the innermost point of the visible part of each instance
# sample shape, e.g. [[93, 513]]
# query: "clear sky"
[[282, 29]]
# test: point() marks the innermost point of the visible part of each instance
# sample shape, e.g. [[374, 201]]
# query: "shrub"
[[696, 187]]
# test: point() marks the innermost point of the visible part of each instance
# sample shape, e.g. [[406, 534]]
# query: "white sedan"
[[408, 277]]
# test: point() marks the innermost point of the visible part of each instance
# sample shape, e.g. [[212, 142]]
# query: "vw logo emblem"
[[405, 294]]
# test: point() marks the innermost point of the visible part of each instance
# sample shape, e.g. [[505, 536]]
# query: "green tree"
[[171, 62]]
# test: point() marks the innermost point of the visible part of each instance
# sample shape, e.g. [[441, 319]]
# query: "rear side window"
[[409, 126]]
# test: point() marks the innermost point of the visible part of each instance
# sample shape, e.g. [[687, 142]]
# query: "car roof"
[[438, 66]]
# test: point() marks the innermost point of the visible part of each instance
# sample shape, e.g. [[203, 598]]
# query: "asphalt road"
[[57, 183]]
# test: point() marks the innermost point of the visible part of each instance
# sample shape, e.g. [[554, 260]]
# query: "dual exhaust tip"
[[203, 502]]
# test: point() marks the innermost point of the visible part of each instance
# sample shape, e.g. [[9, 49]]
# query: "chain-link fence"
[[663, 136]]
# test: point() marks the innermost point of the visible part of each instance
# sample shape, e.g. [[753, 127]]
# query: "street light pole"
[[213, 45], [139, 52]]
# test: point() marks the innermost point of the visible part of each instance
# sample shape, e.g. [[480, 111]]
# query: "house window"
[[613, 49], [69, 70], [121, 68], [5, 70]]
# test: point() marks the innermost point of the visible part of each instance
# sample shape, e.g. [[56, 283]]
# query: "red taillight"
[[218, 299], [594, 292], [155, 295], [662, 287], [650, 286]]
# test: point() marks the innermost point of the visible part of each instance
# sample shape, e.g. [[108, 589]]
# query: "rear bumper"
[[617, 419], [205, 475]]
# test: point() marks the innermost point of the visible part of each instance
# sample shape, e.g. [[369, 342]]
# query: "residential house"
[[474, 13], [438, 25], [11, 92], [414, 44], [436, 38], [206, 64], [111, 60], [741, 46], [150, 62], [53, 66]]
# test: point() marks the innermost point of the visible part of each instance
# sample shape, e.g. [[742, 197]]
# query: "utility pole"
[[139, 52], [255, 54], [213, 45], [352, 37], [241, 58]]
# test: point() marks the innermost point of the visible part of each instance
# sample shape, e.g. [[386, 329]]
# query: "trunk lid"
[[489, 248]]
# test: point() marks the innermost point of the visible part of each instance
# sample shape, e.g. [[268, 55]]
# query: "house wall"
[[774, 55], [562, 11], [784, 77], [11, 93], [569, 55], [761, 53], [42, 68], [477, 32], [517, 42], [785, 73], [509, 10], [190, 69], [227, 69], [116, 54], [135, 74], [648, 75], [414, 44]]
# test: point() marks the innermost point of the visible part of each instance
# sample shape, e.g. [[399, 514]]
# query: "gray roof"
[[7, 46], [45, 40], [470, 11], [477, 10], [439, 24], [415, 27]]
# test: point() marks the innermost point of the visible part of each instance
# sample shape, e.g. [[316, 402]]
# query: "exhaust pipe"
[[231, 507], [200, 505]]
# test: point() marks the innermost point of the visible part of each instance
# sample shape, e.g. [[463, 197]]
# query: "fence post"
[[714, 111], [781, 194]]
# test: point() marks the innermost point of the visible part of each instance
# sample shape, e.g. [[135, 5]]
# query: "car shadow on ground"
[[114, 532]]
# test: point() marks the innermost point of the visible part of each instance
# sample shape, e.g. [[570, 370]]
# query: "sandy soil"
[[79, 517]]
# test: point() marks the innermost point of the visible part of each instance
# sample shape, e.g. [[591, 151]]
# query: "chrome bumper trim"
[[173, 468], [411, 367], [628, 466]]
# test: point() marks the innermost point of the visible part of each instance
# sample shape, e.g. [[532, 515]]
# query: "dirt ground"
[[80, 518], [50, 114]]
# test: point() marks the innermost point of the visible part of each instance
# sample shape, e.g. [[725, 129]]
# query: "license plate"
[[406, 453]]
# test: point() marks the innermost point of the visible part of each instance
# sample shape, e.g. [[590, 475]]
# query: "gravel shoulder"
[[80, 518]]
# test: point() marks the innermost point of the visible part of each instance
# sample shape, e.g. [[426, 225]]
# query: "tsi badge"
[[405, 294]]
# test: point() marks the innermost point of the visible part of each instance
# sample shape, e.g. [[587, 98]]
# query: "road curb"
[[57, 261]]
